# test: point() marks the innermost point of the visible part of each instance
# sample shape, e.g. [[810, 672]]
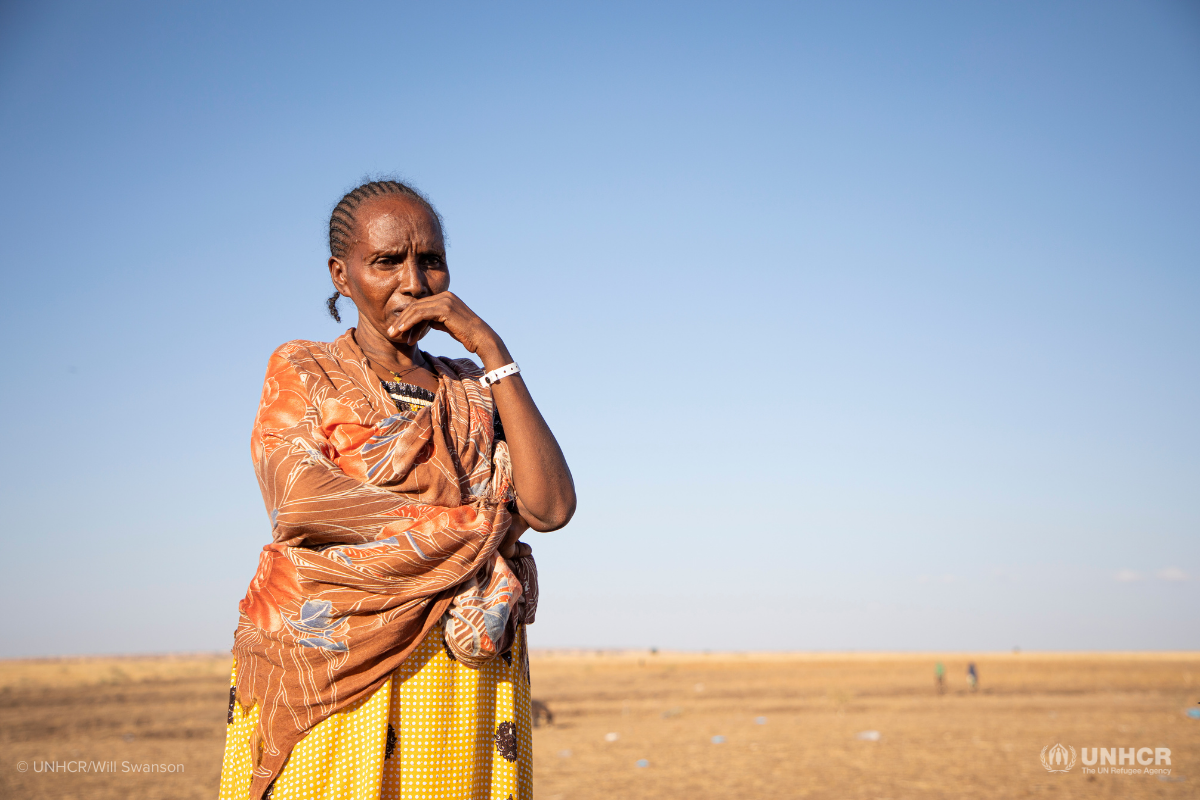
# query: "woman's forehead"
[[395, 220]]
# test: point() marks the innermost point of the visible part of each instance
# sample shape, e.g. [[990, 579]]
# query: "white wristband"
[[497, 375]]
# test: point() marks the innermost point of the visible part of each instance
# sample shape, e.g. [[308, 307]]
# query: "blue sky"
[[863, 326]]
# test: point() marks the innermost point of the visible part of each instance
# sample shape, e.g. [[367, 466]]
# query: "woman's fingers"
[[416, 312], [434, 310], [444, 312], [511, 546]]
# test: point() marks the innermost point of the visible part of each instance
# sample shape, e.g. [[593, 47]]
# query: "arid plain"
[[672, 725]]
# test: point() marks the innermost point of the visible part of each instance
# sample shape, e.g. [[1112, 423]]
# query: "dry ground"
[[789, 724]]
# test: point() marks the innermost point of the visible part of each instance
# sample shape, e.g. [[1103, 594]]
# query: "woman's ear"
[[337, 274]]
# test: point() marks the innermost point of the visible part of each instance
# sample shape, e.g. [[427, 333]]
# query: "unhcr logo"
[[1056, 758], [1109, 760]]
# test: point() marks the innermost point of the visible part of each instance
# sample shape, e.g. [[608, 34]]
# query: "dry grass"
[[156, 710], [666, 709]]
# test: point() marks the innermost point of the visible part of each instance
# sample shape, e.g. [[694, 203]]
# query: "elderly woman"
[[381, 648]]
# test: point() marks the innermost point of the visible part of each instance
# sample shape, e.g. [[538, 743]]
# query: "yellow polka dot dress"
[[437, 730]]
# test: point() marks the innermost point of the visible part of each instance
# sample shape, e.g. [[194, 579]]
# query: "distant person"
[[972, 676], [939, 672], [381, 648]]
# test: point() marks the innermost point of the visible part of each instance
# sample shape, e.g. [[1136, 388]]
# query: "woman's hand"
[[447, 313], [508, 548]]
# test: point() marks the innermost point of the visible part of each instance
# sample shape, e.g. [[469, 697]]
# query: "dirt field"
[[788, 725]]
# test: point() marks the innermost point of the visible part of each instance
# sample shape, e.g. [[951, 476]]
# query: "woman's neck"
[[384, 353], [395, 362]]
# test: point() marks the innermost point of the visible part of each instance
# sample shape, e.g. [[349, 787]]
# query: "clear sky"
[[869, 326]]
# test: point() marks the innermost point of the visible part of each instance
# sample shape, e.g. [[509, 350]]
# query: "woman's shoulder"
[[305, 354], [298, 356], [301, 348]]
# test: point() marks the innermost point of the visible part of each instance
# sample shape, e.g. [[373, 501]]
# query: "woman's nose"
[[412, 280]]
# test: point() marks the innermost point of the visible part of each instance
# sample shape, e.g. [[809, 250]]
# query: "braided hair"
[[342, 221]]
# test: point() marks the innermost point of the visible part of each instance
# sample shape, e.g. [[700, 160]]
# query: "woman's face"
[[397, 256]]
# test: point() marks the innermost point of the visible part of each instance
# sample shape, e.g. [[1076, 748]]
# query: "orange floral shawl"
[[378, 519]]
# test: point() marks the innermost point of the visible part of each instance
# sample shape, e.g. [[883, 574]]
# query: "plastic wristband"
[[497, 375]]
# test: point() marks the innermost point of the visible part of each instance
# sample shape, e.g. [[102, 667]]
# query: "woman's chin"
[[416, 334]]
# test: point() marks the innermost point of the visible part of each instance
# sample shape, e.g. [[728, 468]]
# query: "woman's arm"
[[542, 481]]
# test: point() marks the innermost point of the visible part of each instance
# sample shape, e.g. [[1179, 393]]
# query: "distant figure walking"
[[940, 672], [972, 676]]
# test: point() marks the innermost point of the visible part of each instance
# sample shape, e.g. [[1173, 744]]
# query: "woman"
[[380, 651]]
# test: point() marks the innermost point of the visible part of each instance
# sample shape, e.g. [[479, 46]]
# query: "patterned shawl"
[[381, 521]]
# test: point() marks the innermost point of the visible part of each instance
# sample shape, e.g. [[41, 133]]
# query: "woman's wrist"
[[494, 354]]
